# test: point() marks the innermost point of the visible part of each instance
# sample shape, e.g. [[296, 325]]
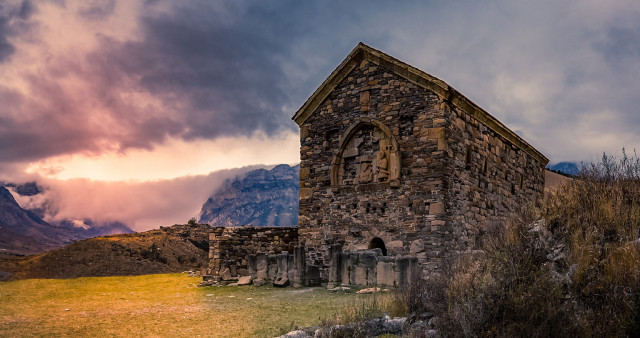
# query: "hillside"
[[24, 232], [170, 249], [261, 198]]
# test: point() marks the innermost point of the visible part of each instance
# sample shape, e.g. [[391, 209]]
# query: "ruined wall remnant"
[[230, 247]]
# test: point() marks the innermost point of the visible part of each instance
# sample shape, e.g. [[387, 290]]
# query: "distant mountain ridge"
[[260, 198], [570, 168], [25, 232]]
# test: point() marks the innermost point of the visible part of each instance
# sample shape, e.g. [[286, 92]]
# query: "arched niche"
[[368, 154], [378, 243]]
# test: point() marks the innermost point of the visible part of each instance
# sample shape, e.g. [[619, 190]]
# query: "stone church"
[[398, 169], [392, 157]]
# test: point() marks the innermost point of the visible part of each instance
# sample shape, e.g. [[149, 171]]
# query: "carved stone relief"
[[369, 154]]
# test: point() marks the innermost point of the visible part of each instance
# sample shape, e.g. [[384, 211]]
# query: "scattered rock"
[[259, 282], [244, 280], [207, 283], [341, 288], [370, 290], [393, 324], [372, 327], [281, 282], [295, 334], [226, 274]]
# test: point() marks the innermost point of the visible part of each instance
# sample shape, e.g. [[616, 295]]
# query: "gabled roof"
[[416, 76]]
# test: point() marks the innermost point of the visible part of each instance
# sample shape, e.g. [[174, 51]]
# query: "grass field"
[[162, 305]]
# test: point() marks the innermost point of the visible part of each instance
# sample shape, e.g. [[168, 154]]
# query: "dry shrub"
[[507, 289], [576, 272], [597, 215]]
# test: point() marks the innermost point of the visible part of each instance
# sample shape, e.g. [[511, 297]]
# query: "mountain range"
[[570, 168], [260, 198], [24, 231]]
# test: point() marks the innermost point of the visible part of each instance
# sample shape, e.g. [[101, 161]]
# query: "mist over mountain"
[[23, 231], [259, 198]]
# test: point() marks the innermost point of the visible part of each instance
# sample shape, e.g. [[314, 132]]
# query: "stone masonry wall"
[[409, 217], [491, 178], [229, 247], [456, 174]]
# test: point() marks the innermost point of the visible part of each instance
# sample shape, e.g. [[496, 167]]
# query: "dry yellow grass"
[[160, 306]]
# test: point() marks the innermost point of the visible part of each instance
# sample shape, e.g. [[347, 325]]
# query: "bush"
[[571, 267], [598, 217]]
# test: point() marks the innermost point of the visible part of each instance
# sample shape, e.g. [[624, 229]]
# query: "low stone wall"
[[273, 255], [370, 267], [230, 247]]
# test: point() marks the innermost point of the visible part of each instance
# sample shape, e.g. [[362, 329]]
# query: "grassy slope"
[[156, 251], [159, 305]]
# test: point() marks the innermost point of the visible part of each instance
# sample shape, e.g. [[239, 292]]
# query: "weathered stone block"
[[365, 268], [416, 246], [282, 261], [436, 208], [272, 271], [406, 270], [385, 273], [244, 280], [262, 266], [335, 265]]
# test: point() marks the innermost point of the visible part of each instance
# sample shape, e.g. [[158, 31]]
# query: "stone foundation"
[[273, 256]]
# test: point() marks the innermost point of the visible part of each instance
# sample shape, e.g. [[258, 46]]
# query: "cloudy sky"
[[137, 92]]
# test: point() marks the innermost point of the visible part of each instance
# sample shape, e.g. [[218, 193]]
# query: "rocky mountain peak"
[[260, 198]]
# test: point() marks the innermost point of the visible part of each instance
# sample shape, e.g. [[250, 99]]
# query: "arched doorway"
[[377, 242]]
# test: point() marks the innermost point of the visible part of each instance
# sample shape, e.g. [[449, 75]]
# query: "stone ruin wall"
[[273, 256], [409, 217], [230, 247], [493, 178]]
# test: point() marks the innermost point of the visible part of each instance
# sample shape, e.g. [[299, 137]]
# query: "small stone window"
[[521, 182], [377, 242], [406, 125], [468, 157]]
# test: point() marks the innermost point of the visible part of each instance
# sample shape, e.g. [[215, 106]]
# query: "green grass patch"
[[161, 305]]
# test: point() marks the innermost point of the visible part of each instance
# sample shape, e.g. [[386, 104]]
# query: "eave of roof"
[[419, 78]]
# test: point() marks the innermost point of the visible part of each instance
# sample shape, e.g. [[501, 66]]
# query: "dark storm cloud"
[[97, 9], [559, 72], [219, 78], [10, 17], [212, 72]]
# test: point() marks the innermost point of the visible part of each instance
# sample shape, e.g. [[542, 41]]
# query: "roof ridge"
[[418, 77]]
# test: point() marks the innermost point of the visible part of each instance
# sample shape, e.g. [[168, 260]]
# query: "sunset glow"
[[137, 93], [175, 158]]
